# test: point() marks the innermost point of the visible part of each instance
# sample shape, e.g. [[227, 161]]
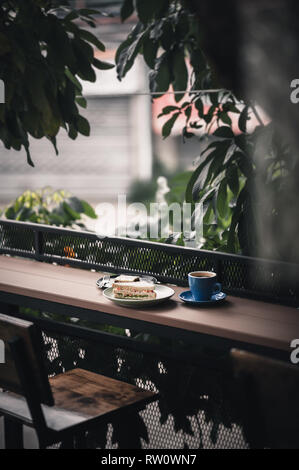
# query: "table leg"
[[13, 432]]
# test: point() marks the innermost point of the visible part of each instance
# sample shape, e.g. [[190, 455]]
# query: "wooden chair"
[[64, 408], [267, 395]]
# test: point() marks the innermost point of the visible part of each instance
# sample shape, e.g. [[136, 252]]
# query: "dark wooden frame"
[[266, 392], [9, 304], [25, 382]]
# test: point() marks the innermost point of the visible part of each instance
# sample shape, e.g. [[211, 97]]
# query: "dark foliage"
[[43, 52]]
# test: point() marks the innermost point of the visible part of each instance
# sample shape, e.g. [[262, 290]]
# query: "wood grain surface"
[[94, 395], [238, 319]]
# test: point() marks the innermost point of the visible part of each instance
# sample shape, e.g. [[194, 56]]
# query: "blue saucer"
[[188, 298]]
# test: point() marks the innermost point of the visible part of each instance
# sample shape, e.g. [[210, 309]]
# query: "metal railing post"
[[38, 244]]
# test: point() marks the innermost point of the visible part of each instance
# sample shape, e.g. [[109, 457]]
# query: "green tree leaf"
[[200, 107], [225, 118], [232, 176], [88, 210], [180, 74], [243, 119], [75, 204], [235, 219], [81, 101], [89, 37], [88, 12], [128, 51], [161, 78], [83, 126], [194, 178], [100, 64], [222, 204], [224, 132], [200, 174], [167, 128], [167, 110], [73, 15], [29, 159], [127, 9], [85, 57], [150, 49], [70, 211], [73, 79], [148, 9]]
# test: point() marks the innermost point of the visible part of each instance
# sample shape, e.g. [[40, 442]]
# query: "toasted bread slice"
[[134, 290]]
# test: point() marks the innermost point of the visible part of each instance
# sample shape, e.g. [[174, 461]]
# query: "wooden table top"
[[238, 319]]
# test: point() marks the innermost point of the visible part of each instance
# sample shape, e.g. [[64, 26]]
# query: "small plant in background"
[[46, 206]]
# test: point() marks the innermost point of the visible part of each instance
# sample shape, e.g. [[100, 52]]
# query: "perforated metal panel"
[[14, 238], [197, 405], [265, 279], [196, 409]]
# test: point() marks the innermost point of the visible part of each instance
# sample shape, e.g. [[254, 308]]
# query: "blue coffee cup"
[[203, 285]]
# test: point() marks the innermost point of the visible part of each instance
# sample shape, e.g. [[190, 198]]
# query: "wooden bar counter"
[[238, 319]]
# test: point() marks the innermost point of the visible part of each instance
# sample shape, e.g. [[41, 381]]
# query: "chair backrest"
[[268, 398], [17, 372]]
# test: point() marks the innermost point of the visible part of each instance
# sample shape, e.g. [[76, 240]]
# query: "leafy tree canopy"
[[238, 168], [188, 45], [43, 53]]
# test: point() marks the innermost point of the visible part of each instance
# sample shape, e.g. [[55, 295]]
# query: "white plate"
[[163, 293]]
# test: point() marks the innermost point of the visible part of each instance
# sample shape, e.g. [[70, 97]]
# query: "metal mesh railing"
[[196, 409], [250, 277], [197, 405]]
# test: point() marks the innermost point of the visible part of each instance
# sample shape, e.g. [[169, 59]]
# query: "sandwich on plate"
[[138, 290]]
